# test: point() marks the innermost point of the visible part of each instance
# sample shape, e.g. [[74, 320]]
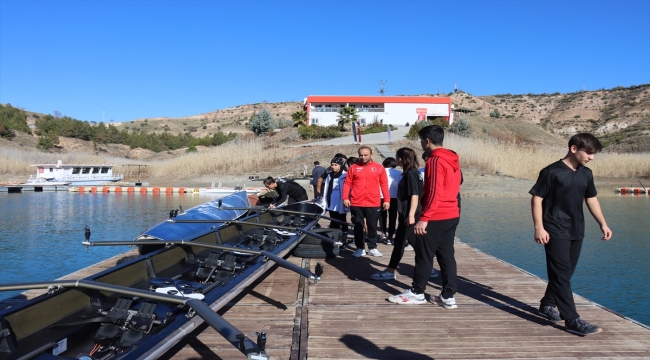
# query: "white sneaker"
[[374, 252], [408, 247], [359, 253], [445, 303], [383, 275], [407, 298], [434, 273]]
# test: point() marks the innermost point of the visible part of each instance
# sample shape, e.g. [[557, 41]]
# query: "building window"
[[76, 170], [363, 121], [86, 170], [314, 121], [105, 170], [51, 170], [95, 170]]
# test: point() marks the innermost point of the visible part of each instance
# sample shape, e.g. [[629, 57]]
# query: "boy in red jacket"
[[437, 225], [361, 195]]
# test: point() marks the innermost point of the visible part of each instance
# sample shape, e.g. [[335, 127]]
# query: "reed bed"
[[252, 155], [236, 157], [525, 161]]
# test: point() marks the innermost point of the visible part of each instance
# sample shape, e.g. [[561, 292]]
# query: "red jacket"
[[442, 178], [362, 184]]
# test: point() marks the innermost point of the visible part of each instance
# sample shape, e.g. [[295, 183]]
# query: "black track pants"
[[370, 214], [561, 261], [438, 241]]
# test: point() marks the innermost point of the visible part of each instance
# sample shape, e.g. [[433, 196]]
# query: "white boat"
[[75, 175], [44, 182]]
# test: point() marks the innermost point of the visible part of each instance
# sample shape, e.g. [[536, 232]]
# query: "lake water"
[[42, 231], [41, 237]]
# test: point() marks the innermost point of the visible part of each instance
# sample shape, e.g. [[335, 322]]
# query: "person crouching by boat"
[[332, 194], [288, 191], [408, 208]]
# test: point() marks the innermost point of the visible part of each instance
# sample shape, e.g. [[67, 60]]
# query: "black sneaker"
[[581, 327], [549, 312]]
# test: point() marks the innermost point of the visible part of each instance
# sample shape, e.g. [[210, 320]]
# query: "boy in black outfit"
[[559, 225]]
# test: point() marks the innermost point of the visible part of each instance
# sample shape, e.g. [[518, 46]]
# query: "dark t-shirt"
[[290, 189], [410, 184], [564, 192]]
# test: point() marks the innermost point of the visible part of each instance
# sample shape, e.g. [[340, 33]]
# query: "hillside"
[[226, 120], [620, 117]]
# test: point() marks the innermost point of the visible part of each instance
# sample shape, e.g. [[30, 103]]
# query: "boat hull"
[[217, 276]]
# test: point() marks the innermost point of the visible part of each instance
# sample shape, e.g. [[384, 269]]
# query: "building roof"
[[378, 99]]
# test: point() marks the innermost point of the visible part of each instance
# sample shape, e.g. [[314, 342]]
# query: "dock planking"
[[346, 316]]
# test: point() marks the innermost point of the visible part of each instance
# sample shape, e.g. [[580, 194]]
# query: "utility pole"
[[438, 90], [382, 89]]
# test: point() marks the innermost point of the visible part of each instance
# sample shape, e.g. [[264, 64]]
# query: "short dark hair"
[[269, 180], [352, 160], [586, 141], [316, 162], [409, 159], [434, 133], [341, 156], [389, 162], [364, 147], [426, 155]]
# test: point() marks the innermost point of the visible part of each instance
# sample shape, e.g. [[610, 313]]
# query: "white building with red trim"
[[395, 110]]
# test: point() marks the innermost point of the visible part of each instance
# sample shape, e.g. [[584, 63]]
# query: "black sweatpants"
[[342, 217], [391, 216], [438, 241], [403, 235], [370, 214], [561, 261]]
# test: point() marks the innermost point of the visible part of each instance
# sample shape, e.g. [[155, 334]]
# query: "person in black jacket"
[[288, 190]]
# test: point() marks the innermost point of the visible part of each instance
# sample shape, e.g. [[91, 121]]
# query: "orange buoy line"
[[632, 191]]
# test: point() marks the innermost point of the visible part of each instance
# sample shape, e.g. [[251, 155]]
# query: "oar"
[[271, 226], [642, 185], [236, 338], [278, 260], [263, 210]]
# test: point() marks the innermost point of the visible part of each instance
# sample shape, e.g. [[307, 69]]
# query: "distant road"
[[374, 139]]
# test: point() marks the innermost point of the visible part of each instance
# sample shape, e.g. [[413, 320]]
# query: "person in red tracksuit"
[[361, 195], [437, 225]]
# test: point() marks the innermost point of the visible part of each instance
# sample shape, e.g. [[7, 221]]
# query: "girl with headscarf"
[[332, 194]]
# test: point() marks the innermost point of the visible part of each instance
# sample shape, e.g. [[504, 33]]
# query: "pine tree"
[[262, 122]]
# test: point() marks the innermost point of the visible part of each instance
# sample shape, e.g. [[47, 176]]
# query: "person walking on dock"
[[288, 191], [559, 224], [361, 194], [316, 173], [409, 191], [437, 225]]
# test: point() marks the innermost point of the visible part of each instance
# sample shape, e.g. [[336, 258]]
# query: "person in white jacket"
[[332, 194]]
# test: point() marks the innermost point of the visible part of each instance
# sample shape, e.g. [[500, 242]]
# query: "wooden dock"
[[346, 316]]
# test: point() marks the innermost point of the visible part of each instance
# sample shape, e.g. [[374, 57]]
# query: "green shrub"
[[372, 129], [461, 127], [319, 132], [191, 149], [495, 113]]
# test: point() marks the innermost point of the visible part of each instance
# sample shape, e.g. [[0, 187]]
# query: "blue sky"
[[125, 60]]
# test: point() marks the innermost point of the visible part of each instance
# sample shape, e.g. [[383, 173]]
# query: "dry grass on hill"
[[525, 161]]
